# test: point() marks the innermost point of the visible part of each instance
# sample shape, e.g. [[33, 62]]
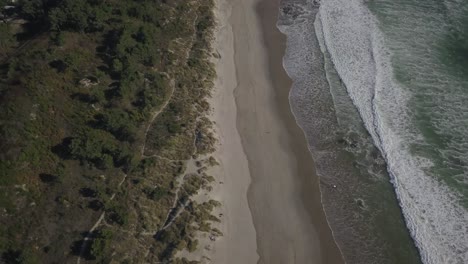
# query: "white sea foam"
[[437, 222]]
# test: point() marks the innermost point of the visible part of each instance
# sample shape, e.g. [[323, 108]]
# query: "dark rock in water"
[[341, 141], [361, 203]]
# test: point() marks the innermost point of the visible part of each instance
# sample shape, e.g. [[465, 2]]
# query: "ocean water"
[[381, 92]]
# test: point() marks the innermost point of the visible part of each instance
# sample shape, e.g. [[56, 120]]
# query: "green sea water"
[[383, 101], [429, 42], [404, 64]]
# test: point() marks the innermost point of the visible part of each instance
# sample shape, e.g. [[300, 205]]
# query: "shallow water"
[[379, 89]]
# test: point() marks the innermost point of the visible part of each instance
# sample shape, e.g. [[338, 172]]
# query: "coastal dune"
[[262, 148]]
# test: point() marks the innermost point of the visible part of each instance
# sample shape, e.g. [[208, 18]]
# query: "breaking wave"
[[360, 52]]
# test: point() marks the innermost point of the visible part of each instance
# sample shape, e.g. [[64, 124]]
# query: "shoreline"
[[268, 11], [271, 204], [284, 195]]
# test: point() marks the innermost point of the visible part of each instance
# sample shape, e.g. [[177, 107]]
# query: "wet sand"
[[284, 195], [262, 148]]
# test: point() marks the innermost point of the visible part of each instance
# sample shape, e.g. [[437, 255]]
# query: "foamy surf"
[[433, 214], [357, 197]]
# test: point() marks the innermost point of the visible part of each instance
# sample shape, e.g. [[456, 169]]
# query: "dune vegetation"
[[103, 106]]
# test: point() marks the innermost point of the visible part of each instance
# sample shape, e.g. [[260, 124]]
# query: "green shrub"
[[100, 243]]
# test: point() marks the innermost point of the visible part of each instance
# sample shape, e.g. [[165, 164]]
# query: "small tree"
[[100, 243]]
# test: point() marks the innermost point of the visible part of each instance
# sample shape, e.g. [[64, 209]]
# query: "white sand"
[[238, 245], [266, 171]]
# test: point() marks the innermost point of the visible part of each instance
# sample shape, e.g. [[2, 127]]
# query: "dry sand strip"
[[238, 245]]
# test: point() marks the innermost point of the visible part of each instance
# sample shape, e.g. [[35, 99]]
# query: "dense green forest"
[[103, 106]]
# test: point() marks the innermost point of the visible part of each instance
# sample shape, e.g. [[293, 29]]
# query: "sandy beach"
[[271, 201], [238, 245]]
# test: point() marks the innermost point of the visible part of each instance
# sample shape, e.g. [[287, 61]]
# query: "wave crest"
[[433, 214]]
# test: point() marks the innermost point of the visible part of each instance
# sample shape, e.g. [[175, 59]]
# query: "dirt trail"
[[96, 225], [155, 115]]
